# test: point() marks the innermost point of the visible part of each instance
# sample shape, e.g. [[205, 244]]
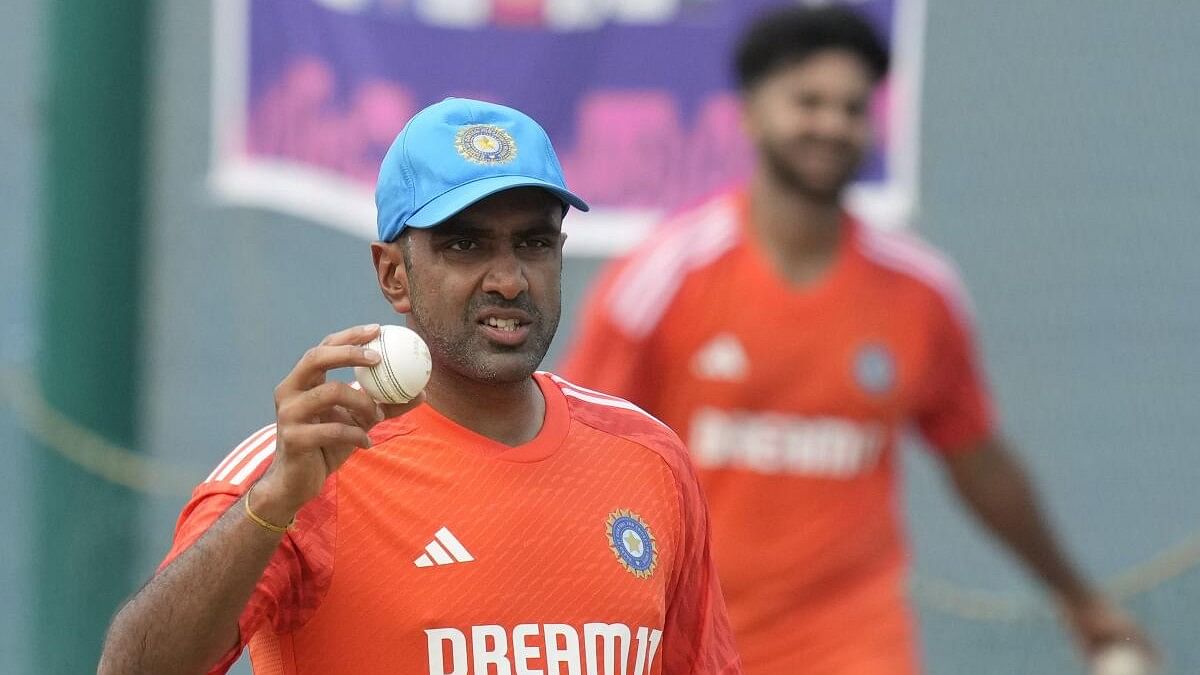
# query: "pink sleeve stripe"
[[239, 453], [253, 454], [915, 259], [599, 398], [256, 461], [644, 290]]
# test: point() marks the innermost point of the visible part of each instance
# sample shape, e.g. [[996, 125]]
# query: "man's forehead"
[[838, 66]]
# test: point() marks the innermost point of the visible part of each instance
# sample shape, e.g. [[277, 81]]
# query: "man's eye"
[[463, 245], [535, 243]]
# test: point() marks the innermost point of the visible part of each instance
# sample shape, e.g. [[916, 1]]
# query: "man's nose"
[[506, 276], [833, 123]]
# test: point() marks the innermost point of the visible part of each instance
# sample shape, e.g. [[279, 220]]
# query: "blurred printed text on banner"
[[637, 96]]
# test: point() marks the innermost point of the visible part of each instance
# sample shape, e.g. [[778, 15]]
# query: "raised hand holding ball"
[[402, 372]]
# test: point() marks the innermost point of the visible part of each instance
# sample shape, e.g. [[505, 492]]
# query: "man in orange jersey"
[[788, 345], [511, 523]]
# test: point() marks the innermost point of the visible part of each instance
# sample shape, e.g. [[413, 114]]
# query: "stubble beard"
[[784, 173], [461, 349]]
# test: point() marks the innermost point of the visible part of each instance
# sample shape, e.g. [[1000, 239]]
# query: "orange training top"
[[439, 551], [790, 399]]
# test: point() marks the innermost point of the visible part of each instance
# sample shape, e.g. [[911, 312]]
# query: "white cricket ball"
[[1121, 659], [403, 370]]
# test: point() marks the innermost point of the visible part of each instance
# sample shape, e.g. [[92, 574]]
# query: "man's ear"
[[391, 273]]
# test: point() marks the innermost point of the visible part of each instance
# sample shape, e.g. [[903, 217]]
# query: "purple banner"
[[636, 95]]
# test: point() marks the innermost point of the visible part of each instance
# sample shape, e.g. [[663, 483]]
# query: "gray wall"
[[1060, 172], [1057, 142]]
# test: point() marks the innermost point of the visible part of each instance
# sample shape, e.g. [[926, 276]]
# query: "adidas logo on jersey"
[[722, 358], [445, 549]]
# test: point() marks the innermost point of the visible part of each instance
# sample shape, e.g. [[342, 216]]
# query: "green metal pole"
[[93, 204]]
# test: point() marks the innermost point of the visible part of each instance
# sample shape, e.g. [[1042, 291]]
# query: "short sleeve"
[[603, 356], [299, 572], [697, 637], [956, 408]]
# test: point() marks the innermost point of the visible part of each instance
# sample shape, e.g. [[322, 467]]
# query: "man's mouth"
[[506, 325], [510, 331], [827, 151]]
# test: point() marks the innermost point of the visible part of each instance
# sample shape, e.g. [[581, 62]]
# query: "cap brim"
[[452, 201]]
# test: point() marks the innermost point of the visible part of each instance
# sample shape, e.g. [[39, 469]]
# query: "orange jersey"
[[439, 551], [790, 400]]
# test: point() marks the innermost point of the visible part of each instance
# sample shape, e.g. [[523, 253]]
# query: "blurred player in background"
[[789, 345], [514, 523]]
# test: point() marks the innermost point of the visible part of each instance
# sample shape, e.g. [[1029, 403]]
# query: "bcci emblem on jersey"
[[485, 144], [631, 541], [875, 369]]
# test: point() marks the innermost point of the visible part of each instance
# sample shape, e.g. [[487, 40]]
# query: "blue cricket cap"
[[453, 154]]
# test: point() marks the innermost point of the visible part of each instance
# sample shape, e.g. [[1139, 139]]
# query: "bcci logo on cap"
[[485, 144], [631, 541]]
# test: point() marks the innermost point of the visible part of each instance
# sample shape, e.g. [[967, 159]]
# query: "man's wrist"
[[269, 503], [1076, 595]]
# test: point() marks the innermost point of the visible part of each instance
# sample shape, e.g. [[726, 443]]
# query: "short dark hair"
[[789, 35]]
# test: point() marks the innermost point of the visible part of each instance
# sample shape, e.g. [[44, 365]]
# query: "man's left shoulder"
[[618, 417], [902, 254]]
